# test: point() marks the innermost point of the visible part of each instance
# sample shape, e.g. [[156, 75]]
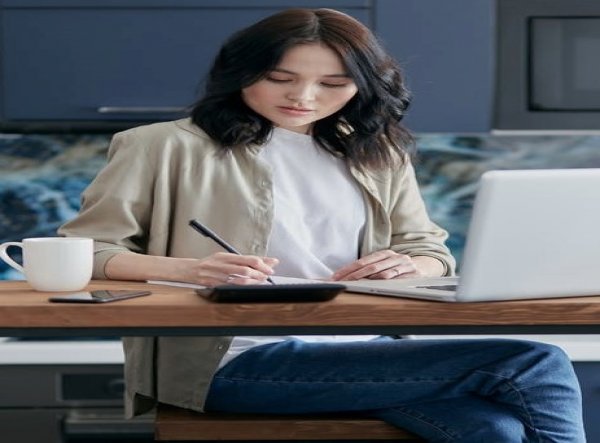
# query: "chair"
[[177, 424]]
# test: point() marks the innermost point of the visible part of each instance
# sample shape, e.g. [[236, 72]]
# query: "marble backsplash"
[[43, 175]]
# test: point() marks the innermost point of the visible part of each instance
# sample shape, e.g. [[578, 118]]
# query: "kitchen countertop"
[[578, 347], [91, 351]]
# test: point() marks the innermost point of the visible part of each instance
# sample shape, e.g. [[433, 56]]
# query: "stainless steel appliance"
[[548, 65], [67, 391]]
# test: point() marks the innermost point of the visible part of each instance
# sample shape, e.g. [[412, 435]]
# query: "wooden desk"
[[179, 311]]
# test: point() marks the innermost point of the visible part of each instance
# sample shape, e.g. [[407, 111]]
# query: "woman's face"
[[309, 83]]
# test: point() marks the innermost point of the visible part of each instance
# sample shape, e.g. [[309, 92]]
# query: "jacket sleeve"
[[413, 232], [116, 206]]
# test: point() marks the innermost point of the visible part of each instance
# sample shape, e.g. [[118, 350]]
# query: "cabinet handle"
[[140, 109], [105, 422]]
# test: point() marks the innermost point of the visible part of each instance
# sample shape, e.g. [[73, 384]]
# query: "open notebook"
[[533, 234], [277, 279]]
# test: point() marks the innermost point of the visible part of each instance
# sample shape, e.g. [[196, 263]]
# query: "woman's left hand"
[[380, 265]]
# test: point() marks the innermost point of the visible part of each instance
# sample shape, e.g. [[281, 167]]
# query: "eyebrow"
[[285, 71]]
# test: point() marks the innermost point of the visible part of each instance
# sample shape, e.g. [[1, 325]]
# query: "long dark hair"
[[366, 131]]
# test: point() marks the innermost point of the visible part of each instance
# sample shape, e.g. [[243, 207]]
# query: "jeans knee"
[[539, 363], [501, 428], [550, 364], [550, 356]]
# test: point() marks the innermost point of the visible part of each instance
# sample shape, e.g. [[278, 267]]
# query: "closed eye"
[[334, 85], [278, 80]]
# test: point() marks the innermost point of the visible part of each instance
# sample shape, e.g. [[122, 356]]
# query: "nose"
[[301, 93]]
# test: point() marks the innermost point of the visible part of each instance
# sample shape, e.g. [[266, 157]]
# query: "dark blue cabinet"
[[589, 379], [103, 63], [86, 63], [447, 50]]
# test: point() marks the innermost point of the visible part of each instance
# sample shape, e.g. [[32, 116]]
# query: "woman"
[[295, 155]]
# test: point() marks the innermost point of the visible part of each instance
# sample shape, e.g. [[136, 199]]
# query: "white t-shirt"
[[319, 217]]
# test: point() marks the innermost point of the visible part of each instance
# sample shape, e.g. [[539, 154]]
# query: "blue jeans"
[[463, 391]]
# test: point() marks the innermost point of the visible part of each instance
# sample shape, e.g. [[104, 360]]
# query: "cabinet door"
[[589, 379], [446, 49], [63, 63]]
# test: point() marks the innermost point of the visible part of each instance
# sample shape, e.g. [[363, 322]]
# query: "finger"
[[346, 271], [400, 271], [415, 274], [227, 272], [215, 269], [261, 264], [271, 261], [247, 265], [390, 267], [209, 278], [235, 279], [369, 270], [389, 260]]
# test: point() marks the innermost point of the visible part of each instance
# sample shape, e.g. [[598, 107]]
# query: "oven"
[[65, 391], [548, 68]]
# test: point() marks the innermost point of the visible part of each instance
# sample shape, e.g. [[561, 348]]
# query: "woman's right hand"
[[216, 269], [224, 267]]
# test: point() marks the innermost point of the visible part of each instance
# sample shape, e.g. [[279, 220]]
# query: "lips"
[[294, 111]]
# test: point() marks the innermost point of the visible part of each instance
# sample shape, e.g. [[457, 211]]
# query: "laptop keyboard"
[[440, 287]]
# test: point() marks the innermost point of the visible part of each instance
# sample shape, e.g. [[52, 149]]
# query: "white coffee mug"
[[54, 263]]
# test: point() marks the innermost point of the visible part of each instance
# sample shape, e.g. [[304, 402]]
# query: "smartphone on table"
[[98, 296]]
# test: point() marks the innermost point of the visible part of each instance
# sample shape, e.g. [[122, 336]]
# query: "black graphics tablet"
[[283, 293]]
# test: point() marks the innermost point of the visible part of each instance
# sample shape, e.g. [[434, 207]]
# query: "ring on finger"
[[231, 277]]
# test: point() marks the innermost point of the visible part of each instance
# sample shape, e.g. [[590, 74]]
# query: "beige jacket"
[[162, 175]]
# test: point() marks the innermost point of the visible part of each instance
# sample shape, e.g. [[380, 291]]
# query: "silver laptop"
[[533, 234]]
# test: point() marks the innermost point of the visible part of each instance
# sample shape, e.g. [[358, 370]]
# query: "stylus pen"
[[218, 240]]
